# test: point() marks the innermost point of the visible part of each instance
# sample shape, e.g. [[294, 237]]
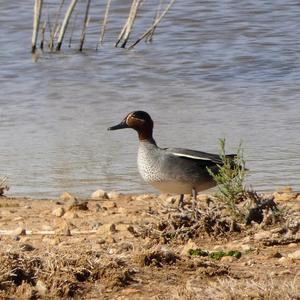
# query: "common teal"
[[170, 170]]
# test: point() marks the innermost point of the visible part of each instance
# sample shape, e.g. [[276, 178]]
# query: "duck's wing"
[[202, 158]]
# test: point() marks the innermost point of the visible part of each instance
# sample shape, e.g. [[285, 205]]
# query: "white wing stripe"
[[191, 156]]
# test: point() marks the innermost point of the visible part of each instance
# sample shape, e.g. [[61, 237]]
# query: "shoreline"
[[121, 246]]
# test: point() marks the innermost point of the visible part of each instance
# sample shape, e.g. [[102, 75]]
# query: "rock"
[[113, 228], [284, 189], [143, 197], [75, 204], [189, 245], [99, 194], [66, 196], [284, 260], [261, 235], [41, 288], [58, 212], [113, 195], [228, 259], [283, 196], [295, 255], [109, 205], [275, 254], [298, 197], [292, 245], [70, 215], [246, 247], [203, 197], [19, 231]]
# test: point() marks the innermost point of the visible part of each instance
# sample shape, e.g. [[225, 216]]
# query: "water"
[[215, 70]]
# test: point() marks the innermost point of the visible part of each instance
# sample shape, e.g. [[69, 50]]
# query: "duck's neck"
[[146, 136]]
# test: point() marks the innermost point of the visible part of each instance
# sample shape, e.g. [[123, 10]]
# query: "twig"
[[153, 25], [36, 23], [65, 24], [104, 24]]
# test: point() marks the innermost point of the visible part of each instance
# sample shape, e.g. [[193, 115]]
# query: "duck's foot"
[[180, 203]]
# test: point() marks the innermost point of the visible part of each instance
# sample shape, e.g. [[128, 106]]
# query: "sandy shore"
[[138, 247]]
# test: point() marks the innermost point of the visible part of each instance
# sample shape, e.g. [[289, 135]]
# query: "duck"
[[171, 170]]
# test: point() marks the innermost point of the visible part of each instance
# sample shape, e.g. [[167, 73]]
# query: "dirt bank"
[[143, 247]]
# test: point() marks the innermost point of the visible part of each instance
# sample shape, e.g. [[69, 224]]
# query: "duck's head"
[[140, 121]]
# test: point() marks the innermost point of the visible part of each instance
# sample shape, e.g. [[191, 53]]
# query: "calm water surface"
[[215, 70]]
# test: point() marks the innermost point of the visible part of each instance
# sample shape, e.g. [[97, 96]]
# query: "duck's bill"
[[119, 126]]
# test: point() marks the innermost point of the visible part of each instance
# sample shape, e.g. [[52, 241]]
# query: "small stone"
[[109, 205], [283, 196], [295, 255], [203, 197], [298, 197], [66, 196], [228, 259], [70, 215], [284, 260], [284, 189], [275, 254], [113, 195], [75, 204], [99, 194], [41, 288], [261, 235], [20, 231], [246, 247], [58, 212], [113, 228], [292, 245]]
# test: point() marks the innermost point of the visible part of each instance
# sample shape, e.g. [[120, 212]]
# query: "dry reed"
[[58, 29], [36, 23], [65, 24]]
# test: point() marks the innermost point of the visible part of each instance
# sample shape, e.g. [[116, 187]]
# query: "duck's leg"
[[180, 203], [194, 197]]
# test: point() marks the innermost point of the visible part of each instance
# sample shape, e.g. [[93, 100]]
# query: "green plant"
[[230, 179]]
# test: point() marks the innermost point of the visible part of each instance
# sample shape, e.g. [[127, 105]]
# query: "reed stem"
[[104, 24], [153, 25], [36, 23], [65, 24], [85, 24]]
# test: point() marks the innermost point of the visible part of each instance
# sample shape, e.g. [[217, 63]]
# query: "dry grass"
[[267, 289], [58, 274]]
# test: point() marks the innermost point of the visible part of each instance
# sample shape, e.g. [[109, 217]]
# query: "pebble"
[[228, 259], [99, 194], [284, 260], [113, 195], [261, 235], [66, 196], [283, 196], [284, 189], [58, 212], [295, 255], [19, 231], [41, 288], [109, 205], [70, 215]]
